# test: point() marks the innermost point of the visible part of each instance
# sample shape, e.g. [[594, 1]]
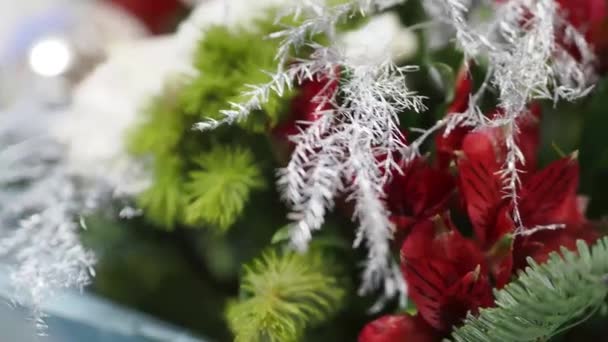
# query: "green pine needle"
[[282, 294], [219, 190], [545, 300]]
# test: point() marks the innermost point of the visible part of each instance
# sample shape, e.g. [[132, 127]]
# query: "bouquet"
[[376, 169]]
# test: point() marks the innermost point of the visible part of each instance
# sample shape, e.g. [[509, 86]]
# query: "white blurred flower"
[[107, 102], [370, 43], [105, 105]]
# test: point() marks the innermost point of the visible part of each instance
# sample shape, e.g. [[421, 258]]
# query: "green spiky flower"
[[282, 294], [218, 191]]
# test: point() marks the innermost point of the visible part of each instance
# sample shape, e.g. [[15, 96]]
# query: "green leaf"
[[545, 300], [218, 191], [445, 77], [281, 235], [282, 294]]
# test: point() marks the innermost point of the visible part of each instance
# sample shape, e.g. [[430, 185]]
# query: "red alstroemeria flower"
[[447, 145], [392, 328], [480, 185], [445, 273], [549, 197], [546, 197], [418, 193], [483, 154]]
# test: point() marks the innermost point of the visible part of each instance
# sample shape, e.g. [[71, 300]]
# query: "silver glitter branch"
[[39, 234], [352, 148], [526, 62]]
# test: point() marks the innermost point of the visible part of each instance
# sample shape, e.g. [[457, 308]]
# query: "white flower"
[[370, 43]]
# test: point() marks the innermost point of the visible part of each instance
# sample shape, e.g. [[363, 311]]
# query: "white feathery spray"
[[39, 234]]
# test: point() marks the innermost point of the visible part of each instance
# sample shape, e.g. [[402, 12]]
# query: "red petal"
[[470, 293], [582, 12], [393, 328], [419, 193], [400, 192], [446, 145], [436, 187], [544, 194], [572, 211], [441, 300], [419, 242], [541, 244], [428, 282], [500, 255], [479, 183], [438, 239], [464, 88], [435, 257], [462, 252]]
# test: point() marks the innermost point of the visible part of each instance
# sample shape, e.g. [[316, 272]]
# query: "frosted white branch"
[[40, 204], [527, 61], [352, 148]]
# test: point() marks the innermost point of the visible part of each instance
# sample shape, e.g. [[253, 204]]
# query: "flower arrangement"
[[417, 132]]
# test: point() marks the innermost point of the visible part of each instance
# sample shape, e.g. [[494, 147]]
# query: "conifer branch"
[[545, 299]]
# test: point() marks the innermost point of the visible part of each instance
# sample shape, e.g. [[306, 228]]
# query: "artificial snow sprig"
[[526, 70], [353, 148], [48, 256], [39, 236], [43, 246]]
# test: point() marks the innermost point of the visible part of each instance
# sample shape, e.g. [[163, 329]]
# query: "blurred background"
[[47, 48]]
